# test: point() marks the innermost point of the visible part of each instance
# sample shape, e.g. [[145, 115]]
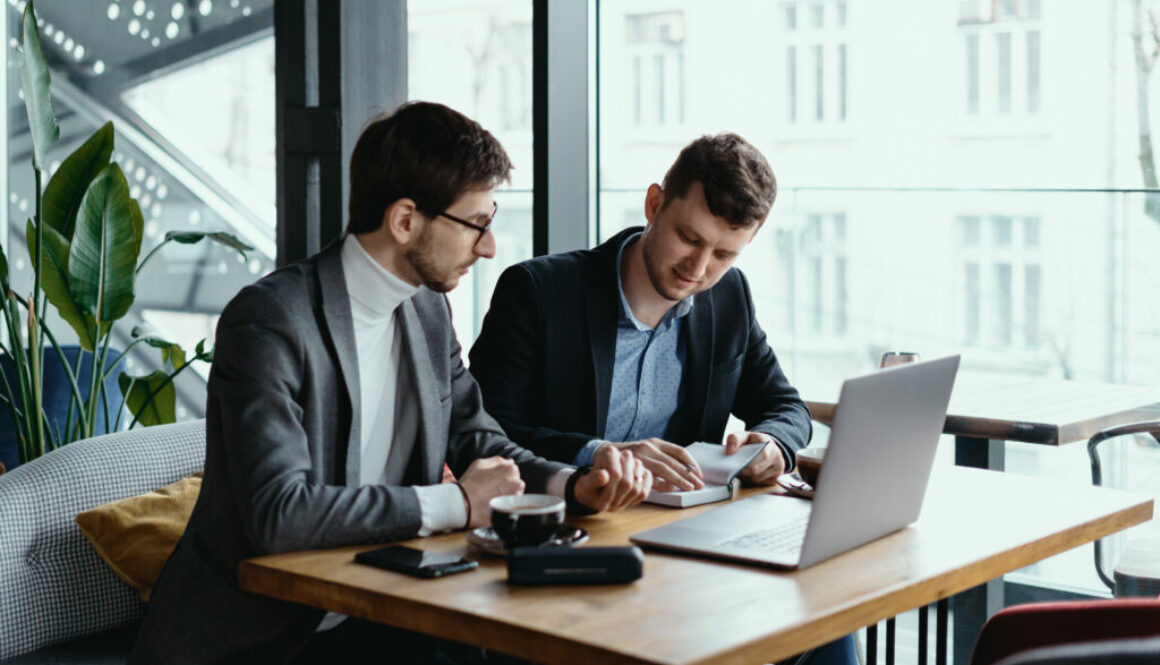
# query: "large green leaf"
[[37, 96], [66, 189], [151, 398], [220, 237], [103, 260], [54, 280], [138, 220]]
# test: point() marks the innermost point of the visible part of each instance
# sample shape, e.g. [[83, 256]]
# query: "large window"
[[933, 198], [190, 90], [476, 57]]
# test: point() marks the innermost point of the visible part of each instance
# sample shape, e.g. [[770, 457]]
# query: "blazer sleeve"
[[257, 388], [475, 434], [765, 399], [506, 360]]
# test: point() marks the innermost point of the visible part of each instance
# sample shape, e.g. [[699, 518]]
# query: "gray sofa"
[[59, 602]]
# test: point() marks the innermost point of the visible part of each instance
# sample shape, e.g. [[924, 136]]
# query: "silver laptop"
[[878, 461]]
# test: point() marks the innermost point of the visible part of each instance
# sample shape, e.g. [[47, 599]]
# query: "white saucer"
[[793, 483], [485, 538]]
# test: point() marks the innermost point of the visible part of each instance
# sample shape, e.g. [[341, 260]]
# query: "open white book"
[[718, 470]]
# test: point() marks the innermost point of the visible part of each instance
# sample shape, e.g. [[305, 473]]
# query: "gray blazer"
[[282, 459]]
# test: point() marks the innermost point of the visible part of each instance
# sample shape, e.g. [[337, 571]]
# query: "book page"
[[717, 468]]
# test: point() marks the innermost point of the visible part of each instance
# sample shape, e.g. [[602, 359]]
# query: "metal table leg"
[[973, 606]]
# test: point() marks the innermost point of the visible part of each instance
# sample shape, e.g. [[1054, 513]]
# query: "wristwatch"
[[574, 507]]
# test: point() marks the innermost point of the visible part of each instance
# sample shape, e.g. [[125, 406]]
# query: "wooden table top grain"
[[1014, 408], [690, 611]]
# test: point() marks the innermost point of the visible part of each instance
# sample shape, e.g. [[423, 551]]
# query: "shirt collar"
[[679, 310], [374, 291]]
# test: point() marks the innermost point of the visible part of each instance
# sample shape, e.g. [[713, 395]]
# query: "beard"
[[655, 272], [423, 258]]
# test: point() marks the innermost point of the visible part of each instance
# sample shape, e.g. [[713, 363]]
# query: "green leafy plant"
[[84, 243]]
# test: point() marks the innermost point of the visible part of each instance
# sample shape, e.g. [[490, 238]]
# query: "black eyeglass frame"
[[482, 228]]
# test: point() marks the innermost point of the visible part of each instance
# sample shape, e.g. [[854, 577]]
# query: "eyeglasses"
[[482, 228]]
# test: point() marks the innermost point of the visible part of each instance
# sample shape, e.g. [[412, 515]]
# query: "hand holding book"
[[719, 469]]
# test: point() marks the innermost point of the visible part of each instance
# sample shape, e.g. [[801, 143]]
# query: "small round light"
[[145, 201], [162, 191], [113, 12], [205, 7], [151, 182], [99, 67], [246, 11], [139, 7], [195, 217], [139, 173], [134, 26], [69, 44], [151, 228], [79, 52], [155, 210], [155, 42], [128, 165], [177, 11], [135, 191], [149, 15], [171, 30], [145, 33]]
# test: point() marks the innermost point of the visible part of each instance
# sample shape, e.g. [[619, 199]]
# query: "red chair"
[[1089, 628]]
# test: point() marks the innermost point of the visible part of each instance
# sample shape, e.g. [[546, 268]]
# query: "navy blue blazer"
[[544, 358]]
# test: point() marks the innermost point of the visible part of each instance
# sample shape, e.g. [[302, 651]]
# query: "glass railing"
[[1045, 283]]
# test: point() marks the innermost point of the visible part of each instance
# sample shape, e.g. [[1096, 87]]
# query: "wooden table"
[[988, 410], [689, 611]]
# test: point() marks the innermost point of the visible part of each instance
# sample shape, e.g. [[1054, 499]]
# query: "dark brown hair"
[[739, 184], [423, 151]]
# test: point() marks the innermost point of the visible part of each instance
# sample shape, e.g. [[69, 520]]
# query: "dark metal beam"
[[540, 127], [201, 46]]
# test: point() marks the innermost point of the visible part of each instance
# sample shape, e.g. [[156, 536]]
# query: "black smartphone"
[[415, 562]]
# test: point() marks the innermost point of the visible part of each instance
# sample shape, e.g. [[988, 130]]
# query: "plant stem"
[[70, 373], [150, 255], [128, 391], [20, 361], [35, 339]]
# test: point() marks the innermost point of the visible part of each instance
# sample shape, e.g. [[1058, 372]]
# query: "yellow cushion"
[[135, 536]]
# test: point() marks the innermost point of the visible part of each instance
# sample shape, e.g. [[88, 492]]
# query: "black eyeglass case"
[[575, 565]]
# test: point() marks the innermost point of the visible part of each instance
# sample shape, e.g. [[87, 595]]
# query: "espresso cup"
[[526, 520], [809, 464]]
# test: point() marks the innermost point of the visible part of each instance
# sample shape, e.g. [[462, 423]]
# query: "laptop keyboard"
[[786, 537]]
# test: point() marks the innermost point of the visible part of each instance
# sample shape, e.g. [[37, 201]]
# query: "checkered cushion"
[[53, 585]]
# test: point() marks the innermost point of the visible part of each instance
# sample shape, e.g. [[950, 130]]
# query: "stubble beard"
[[655, 272], [422, 260]]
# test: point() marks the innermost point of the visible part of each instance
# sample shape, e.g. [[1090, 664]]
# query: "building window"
[[1001, 274], [1001, 47], [815, 74], [820, 285], [656, 62]]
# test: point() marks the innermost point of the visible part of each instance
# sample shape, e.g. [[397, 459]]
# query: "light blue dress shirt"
[[646, 374]]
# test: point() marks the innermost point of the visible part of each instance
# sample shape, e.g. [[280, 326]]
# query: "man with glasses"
[[337, 395], [650, 341]]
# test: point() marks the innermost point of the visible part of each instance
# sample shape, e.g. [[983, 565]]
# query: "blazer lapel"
[[601, 304], [415, 350], [699, 344], [340, 325]]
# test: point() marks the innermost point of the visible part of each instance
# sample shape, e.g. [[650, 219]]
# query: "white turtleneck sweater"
[[387, 403]]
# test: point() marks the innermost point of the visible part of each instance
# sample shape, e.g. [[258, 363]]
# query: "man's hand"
[[672, 467], [617, 480], [486, 479], [766, 467]]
